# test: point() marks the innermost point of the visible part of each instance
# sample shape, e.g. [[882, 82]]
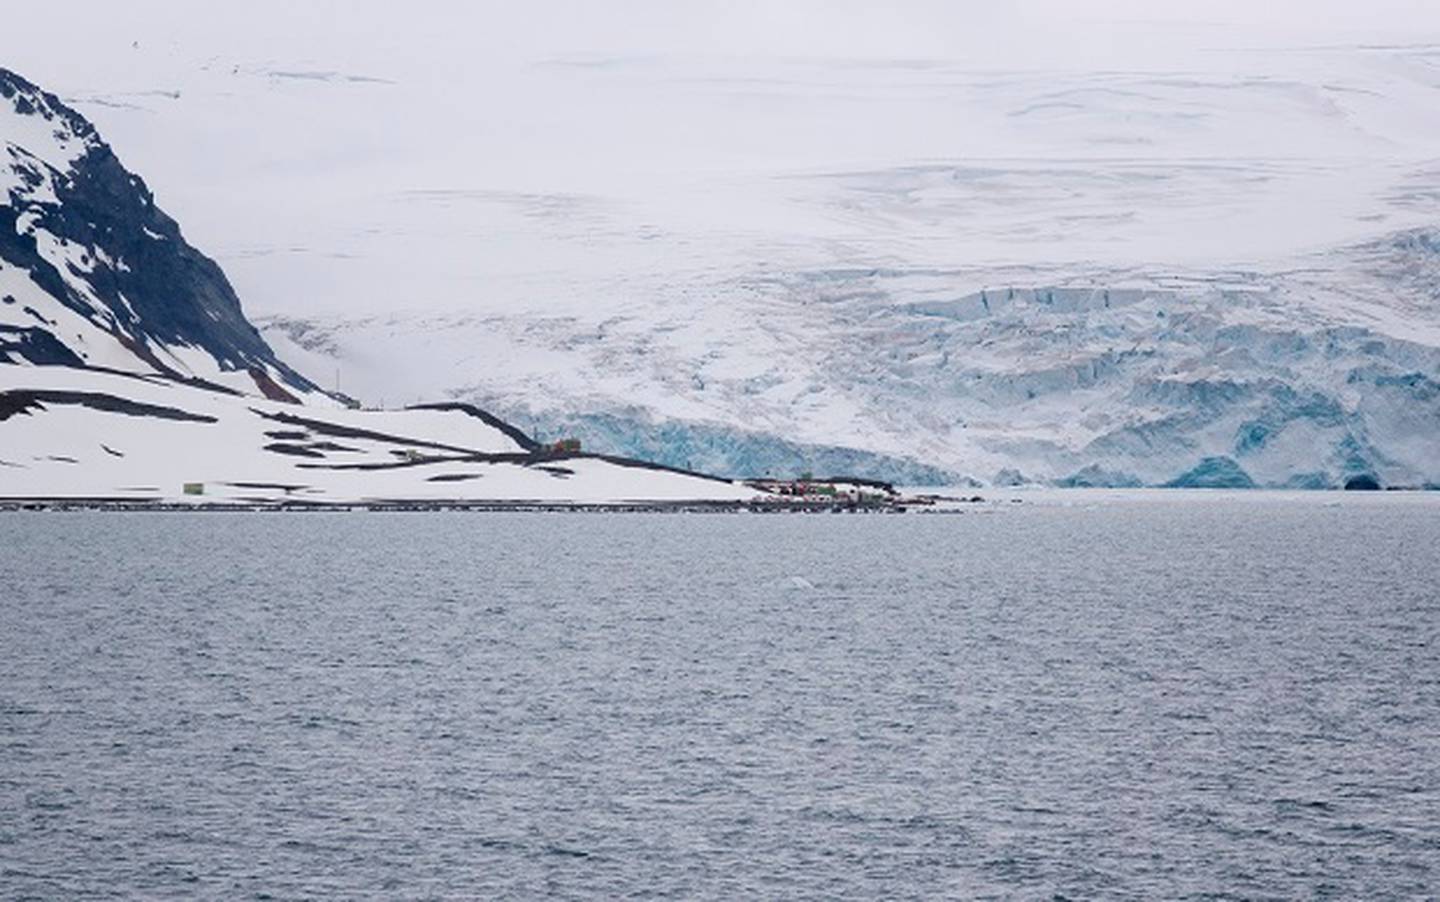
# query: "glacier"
[[1146, 384], [723, 450]]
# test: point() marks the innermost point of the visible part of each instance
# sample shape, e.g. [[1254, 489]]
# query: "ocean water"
[[1176, 696]]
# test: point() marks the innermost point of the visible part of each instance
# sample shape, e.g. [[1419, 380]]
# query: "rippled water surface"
[[1143, 698]]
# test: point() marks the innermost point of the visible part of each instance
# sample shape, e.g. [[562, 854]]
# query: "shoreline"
[[909, 503], [652, 507]]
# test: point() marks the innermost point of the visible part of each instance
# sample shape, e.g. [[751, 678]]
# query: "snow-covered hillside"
[[1073, 242], [71, 433]]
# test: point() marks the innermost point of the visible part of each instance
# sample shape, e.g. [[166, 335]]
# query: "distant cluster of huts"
[[858, 492]]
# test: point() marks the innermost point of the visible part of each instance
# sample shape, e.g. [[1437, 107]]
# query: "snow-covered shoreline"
[[84, 434]]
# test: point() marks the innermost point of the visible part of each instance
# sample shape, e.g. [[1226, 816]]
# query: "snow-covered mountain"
[[93, 273], [1053, 241], [128, 371]]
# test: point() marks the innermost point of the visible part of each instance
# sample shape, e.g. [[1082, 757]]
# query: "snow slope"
[[1069, 242], [69, 433]]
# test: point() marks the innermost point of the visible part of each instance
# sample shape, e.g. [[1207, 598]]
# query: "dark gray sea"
[[1196, 697]]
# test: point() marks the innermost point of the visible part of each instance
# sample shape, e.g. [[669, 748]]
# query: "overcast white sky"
[[1024, 31]]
